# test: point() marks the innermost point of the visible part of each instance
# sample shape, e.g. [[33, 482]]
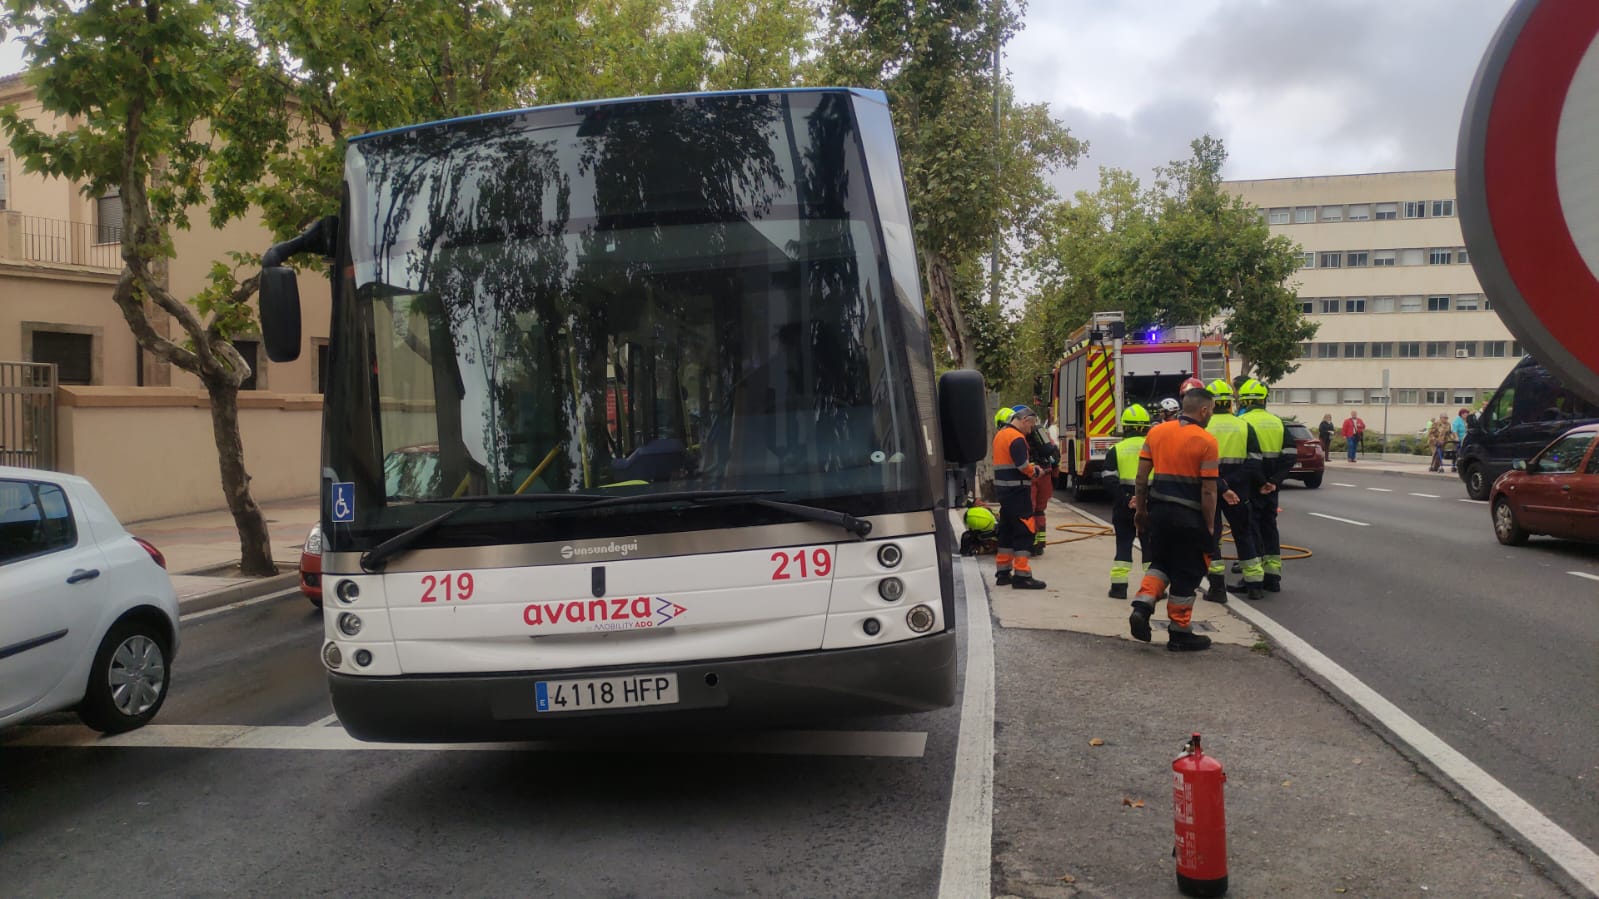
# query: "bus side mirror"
[[963, 416], [280, 313]]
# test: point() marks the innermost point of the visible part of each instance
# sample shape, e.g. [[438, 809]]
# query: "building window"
[[1304, 350], [248, 349], [1443, 208], [1407, 396], [1487, 304], [320, 345], [1382, 351], [1304, 215], [1410, 349], [1299, 395], [1330, 307], [1307, 260], [1412, 257], [1359, 212], [1378, 398], [1461, 257], [1358, 260], [1515, 348], [1467, 303], [1383, 258], [1437, 304], [1437, 349], [1437, 397], [1332, 260], [1387, 212], [1415, 209], [1354, 351], [1354, 396], [1384, 304], [1277, 216], [1465, 349], [73, 355], [1308, 307], [1326, 396], [1326, 351], [1440, 257], [3, 194], [1355, 304], [1332, 213], [1466, 398], [1493, 349], [108, 218]]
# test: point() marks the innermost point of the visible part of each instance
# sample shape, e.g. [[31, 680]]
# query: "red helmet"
[[1191, 384]]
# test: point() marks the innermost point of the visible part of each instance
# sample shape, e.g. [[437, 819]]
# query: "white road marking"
[[1480, 502], [885, 744], [1341, 484], [195, 616], [1344, 520], [1379, 489], [969, 829], [1578, 860], [1591, 577], [1427, 495], [324, 722]]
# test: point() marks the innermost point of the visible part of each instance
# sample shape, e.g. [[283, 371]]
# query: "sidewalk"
[[1088, 722], [202, 551], [1390, 464]]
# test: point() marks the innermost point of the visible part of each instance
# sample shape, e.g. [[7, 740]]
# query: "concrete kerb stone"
[[231, 591]]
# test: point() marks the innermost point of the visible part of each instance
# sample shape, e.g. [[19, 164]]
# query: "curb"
[[238, 592]]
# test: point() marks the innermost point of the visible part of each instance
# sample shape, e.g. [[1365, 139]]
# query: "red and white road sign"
[[1528, 182]]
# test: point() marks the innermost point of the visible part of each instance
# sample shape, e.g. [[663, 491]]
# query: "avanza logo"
[[599, 549], [604, 614]]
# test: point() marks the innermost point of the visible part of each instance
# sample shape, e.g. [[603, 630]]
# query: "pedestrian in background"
[[1438, 433], [1325, 431], [1459, 427], [1353, 428]]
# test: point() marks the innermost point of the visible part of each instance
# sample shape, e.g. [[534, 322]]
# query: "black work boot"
[[1002, 578], [1274, 583], [1038, 549], [1118, 591], [1139, 620], [1026, 582], [1217, 589], [1248, 590], [1183, 641]]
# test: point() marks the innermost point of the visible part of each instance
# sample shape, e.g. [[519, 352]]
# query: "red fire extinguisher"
[[1200, 814]]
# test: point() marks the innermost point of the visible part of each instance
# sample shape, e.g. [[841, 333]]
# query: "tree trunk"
[[255, 546], [946, 309]]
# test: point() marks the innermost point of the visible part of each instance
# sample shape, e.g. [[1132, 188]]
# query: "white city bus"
[[630, 422]]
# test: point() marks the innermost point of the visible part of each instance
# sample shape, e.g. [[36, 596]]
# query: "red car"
[[311, 566], [1311, 463], [1556, 493]]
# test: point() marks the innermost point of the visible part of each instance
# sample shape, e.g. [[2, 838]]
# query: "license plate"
[[606, 693]]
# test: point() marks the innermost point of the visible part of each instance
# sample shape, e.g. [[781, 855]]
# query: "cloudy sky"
[[1294, 87]]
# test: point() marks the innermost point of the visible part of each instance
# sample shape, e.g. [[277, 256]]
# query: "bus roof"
[[875, 96]]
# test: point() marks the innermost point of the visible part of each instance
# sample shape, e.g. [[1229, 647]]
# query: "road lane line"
[[1427, 495], [324, 722], [1591, 577], [1379, 490], [1565, 850], [1344, 520], [969, 829], [1480, 502], [1341, 484], [196, 616], [881, 744]]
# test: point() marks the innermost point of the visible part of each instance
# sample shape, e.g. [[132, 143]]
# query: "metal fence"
[[28, 414], [68, 243]]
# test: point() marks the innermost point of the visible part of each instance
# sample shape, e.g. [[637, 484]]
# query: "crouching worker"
[[1014, 474], [1120, 474]]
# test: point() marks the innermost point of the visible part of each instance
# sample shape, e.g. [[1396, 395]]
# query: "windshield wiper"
[[373, 559]]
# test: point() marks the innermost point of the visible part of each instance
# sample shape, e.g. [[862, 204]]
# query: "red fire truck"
[[1106, 368]]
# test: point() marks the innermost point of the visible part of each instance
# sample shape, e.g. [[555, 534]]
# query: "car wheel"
[[129, 678], [1312, 480], [313, 600], [1505, 526], [1476, 481]]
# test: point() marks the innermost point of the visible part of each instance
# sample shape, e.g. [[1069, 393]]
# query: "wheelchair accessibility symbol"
[[344, 502]]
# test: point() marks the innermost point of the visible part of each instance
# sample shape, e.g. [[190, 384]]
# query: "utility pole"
[[999, 168]]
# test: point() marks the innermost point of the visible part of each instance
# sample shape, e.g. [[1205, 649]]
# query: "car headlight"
[[313, 541]]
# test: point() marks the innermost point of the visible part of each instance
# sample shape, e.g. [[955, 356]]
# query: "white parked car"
[[88, 618]]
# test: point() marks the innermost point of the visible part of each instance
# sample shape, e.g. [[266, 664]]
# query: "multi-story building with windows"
[[1386, 274]]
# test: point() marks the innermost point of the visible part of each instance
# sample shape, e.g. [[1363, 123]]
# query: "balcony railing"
[[30, 238]]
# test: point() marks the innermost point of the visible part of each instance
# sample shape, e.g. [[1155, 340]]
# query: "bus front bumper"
[[911, 676]]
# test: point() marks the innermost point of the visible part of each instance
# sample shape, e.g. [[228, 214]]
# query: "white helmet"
[[1170, 406]]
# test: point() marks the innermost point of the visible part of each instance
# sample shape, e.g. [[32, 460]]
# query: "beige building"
[[59, 259], [1387, 276]]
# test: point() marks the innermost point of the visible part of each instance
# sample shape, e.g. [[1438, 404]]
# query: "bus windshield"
[[613, 300]]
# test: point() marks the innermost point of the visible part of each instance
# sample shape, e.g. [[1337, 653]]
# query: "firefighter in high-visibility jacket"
[[1278, 457], [1241, 476], [1042, 450], [1120, 474], [1014, 474]]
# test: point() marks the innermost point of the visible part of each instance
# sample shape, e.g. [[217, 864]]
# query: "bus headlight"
[[349, 624], [347, 591], [891, 588], [920, 619], [872, 627], [331, 655], [890, 555], [363, 657]]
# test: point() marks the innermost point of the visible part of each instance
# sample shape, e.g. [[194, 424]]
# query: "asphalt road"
[[620, 819], [1492, 648]]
